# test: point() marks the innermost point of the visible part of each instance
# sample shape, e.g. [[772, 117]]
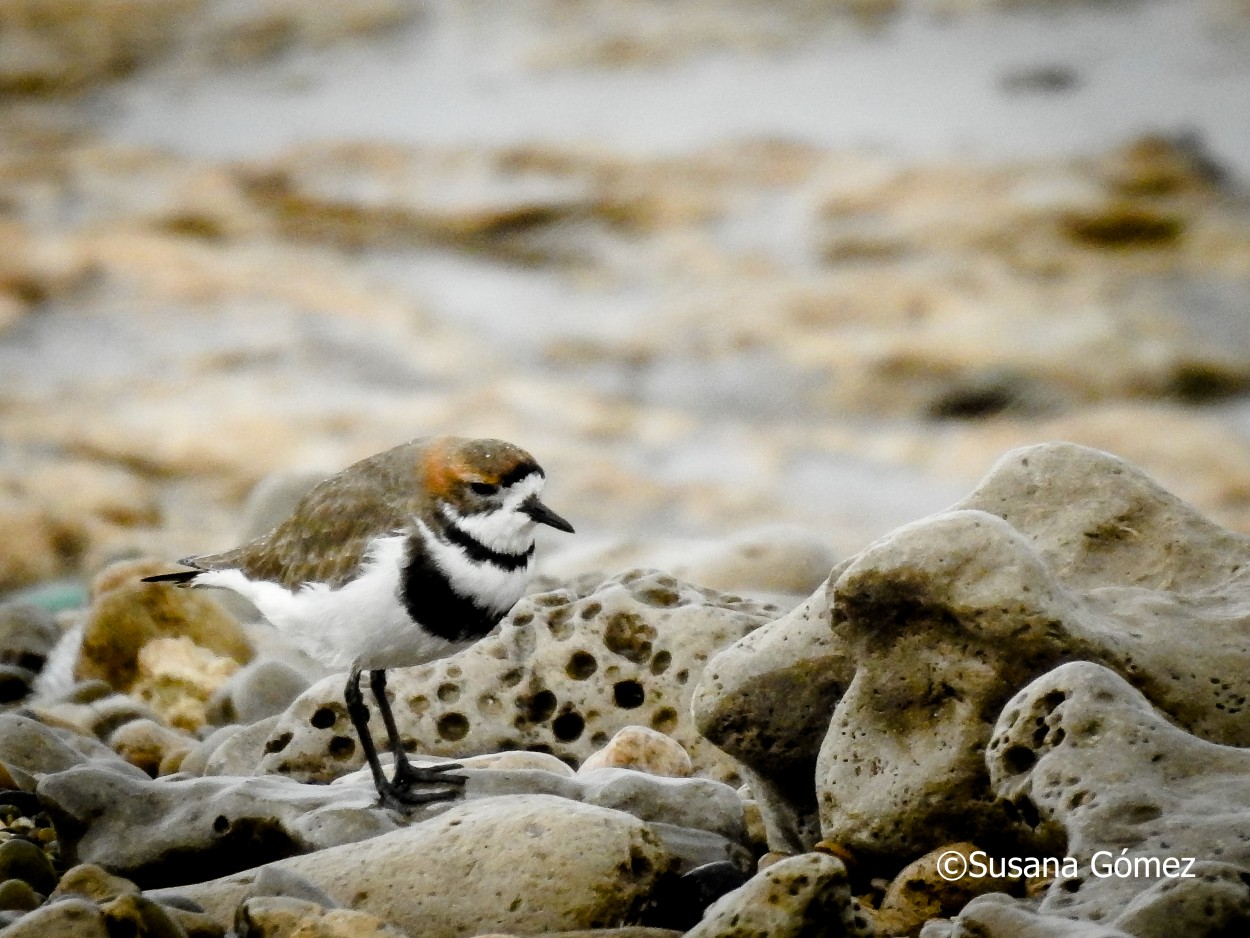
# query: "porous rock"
[[806, 896], [177, 678], [565, 670], [1061, 552], [643, 749], [127, 614], [1082, 749], [529, 864]]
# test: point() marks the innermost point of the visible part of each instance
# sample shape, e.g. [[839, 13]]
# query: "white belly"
[[362, 622]]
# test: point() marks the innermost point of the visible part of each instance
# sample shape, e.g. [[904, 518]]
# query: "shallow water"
[[1031, 82]]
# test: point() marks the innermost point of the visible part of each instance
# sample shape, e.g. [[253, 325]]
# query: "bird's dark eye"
[[484, 488]]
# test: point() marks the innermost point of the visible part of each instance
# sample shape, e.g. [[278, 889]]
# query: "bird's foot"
[[410, 785]]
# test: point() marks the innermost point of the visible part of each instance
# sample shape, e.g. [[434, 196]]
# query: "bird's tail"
[[181, 578]]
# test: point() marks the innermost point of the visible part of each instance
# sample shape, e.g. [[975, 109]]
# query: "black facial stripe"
[[517, 473], [480, 553], [431, 600]]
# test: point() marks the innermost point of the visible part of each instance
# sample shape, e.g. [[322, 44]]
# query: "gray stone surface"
[[30, 750]]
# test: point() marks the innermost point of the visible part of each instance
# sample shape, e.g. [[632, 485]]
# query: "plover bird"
[[404, 557]]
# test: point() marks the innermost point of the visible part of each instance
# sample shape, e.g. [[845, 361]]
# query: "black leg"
[[407, 774], [358, 711]]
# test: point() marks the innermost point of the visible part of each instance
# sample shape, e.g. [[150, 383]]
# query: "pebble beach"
[[891, 359]]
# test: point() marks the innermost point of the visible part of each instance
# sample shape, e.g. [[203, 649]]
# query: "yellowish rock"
[[149, 745], [127, 614], [284, 917], [642, 749], [176, 678]]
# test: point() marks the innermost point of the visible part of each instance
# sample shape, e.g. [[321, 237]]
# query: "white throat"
[[507, 529]]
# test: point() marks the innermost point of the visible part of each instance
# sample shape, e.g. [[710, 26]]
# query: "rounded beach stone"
[[69, 918], [93, 882], [134, 914], [642, 749], [17, 894], [148, 744], [29, 750], [524, 863], [20, 859], [920, 892], [261, 689]]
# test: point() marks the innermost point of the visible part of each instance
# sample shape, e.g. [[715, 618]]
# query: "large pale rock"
[[526, 864], [918, 642], [564, 672], [1082, 749]]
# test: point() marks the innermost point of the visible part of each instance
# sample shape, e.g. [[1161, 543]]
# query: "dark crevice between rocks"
[[239, 845]]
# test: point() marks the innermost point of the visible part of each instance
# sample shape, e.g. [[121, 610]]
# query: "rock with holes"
[[565, 671], [909, 653], [127, 614], [527, 864], [1157, 819], [807, 896]]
